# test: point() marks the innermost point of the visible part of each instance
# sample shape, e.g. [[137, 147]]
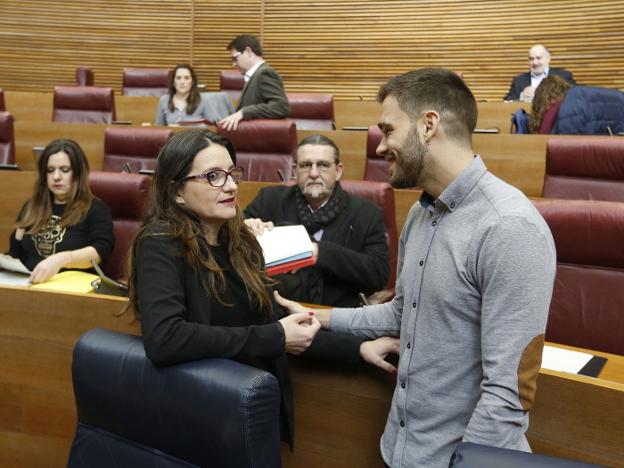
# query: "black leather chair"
[[210, 412], [469, 455]]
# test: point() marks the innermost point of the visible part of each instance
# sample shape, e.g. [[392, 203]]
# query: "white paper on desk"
[[564, 360], [11, 278], [13, 264], [283, 242]]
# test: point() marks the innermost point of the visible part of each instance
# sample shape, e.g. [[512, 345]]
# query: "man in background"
[[263, 96], [348, 233], [523, 86]]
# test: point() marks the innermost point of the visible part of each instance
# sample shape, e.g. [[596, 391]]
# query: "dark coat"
[[178, 322], [353, 252], [263, 96], [524, 79], [588, 110]]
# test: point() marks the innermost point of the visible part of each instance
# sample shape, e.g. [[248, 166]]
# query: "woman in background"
[[550, 91], [184, 102], [63, 225]]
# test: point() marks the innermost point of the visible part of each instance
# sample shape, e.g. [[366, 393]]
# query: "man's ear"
[[432, 123], [339, 168], [180, 200]]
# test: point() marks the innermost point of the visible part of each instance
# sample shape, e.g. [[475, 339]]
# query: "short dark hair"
[[319, 140], [439, 89], [240, 43]]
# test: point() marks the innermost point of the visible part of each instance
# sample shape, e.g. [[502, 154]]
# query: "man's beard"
[[408, 163]]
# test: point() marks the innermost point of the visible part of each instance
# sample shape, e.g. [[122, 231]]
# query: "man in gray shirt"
[[475, 277]]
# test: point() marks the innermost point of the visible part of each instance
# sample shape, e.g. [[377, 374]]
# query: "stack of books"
[[286, 248]]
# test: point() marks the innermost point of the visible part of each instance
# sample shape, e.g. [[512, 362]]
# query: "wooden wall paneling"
[[43, 42], [351, 47], [215, 23], [346, 48]]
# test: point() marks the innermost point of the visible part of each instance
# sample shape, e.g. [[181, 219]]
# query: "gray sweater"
[[213, 107], [475, 277]]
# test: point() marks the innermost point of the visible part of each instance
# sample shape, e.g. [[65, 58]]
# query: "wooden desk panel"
[[37, 106], [30, 133], [16, 189], [340, 410], [366, 113], [38, 330]]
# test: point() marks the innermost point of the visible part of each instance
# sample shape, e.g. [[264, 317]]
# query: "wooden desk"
[[37, 106], [365, 113], [340, 410]]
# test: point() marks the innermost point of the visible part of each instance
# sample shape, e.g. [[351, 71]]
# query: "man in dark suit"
[[348, 233], [523, 86], [263, 96]]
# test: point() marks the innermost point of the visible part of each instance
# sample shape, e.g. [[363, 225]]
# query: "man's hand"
[[49, 267], [374, 352], [527, 94], [258, 226], [299, 331], [231, 121]]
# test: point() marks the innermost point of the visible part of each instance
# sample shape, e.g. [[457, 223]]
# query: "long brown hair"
[[550, 90], [167, 217], [38, 210], [193, 99]]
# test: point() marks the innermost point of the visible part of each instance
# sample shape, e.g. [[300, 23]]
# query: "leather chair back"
[[209, 412], [471, 455], [231, 82], [376, 167], [585, 168], [146, 81], [2, 105], [264, 147], [381, 194], [588, 296], [135, 148], [83, 104], [84, 76], [312, 111], [127, 197], [7, 139]]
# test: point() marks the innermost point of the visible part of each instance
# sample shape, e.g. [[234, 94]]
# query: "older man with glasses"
[[263, 96], [348, 233]]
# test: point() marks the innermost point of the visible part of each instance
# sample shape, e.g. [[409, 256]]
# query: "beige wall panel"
[[347, 48]]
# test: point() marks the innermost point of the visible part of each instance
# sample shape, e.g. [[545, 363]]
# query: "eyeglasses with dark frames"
[[218, 177]]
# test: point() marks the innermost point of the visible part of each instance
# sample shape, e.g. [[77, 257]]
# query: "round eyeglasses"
[[218, 177]]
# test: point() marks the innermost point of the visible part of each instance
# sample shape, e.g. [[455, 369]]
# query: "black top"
[[181, 321], [95, 230], [353, 252]]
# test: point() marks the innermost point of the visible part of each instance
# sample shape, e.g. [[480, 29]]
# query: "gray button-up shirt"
[[475, 277]]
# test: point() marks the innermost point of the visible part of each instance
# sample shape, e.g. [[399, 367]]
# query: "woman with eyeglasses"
[[196, 281], [184, 103], [62, 225]]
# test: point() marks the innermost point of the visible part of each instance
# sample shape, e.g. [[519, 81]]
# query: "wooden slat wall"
[[351, 47], [347, 48]]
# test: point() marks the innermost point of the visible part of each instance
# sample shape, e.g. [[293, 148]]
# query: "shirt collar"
[[249, 73], [543, 75], [459, 188]]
